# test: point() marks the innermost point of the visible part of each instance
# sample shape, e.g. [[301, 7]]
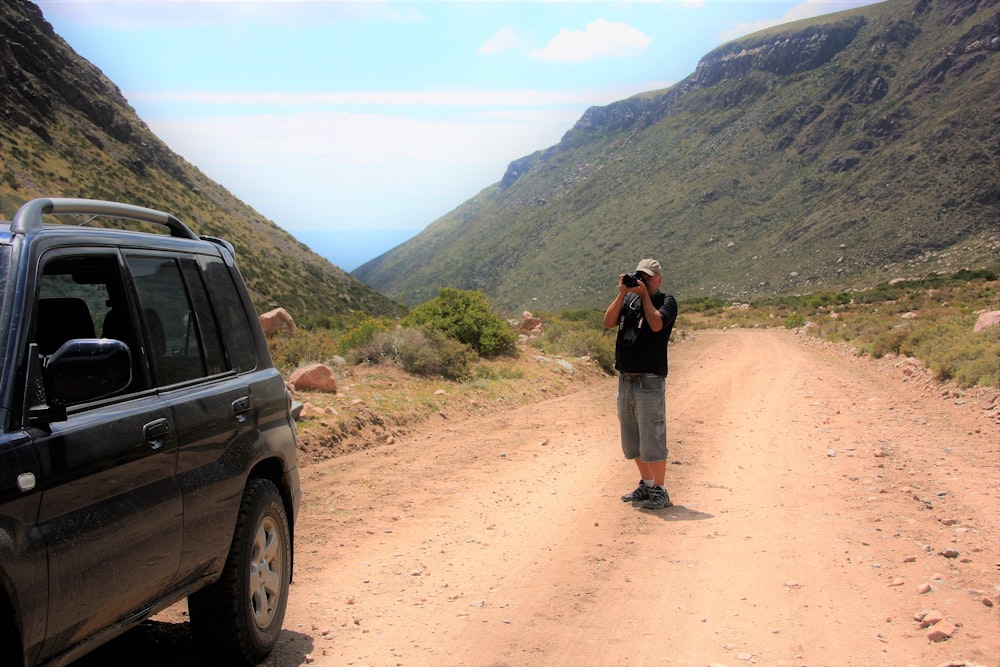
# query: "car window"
[[82, 296], [174, 343], [208, 327], [232, 315]]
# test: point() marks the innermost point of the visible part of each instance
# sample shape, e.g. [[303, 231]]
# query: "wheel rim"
[[266, 566]]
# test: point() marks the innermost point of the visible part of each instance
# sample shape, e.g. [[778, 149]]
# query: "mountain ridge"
[[830, 153]]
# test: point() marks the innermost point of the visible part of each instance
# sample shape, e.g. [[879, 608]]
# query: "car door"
[[111, 512], [211, 404]]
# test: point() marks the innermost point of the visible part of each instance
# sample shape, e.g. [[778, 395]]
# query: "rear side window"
[[175, 348], [231, 314], [208, 327]]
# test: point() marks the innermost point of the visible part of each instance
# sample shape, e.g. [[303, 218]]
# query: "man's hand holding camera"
[[633, 282]]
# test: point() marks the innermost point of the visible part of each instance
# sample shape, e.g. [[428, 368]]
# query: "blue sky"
[[354, 125]]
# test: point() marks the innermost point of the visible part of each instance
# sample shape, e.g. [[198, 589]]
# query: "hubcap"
[[265, 571]]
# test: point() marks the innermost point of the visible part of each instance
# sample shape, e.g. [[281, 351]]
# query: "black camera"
[[632, 279]]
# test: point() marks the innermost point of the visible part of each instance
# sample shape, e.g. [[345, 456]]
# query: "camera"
[[632, 279]]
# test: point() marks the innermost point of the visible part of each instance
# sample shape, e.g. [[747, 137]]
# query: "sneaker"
[[641, 493], [658, 499]]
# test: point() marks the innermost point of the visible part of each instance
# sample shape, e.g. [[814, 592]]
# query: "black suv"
[[147, 450]]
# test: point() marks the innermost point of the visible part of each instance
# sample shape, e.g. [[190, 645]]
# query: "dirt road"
[[820, 504]]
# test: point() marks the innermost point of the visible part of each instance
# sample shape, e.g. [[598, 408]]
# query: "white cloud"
[[153, 14], [390, 98], [503, 40], [348, 163], [599, 39]]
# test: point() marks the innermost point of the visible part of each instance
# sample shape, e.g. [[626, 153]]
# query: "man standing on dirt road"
[[645, 318]]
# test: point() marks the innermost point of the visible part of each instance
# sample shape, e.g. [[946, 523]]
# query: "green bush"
[[437, 355], [421, 352], [590, 343], [290, 351], [703, 304], [466, 317], [361, 333], [579, 335], [794, 320]]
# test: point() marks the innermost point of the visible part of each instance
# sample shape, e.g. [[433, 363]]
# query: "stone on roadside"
[[275, 321], [932, 617], [310, 411], [987, 320], [316, 377], [942, 631]]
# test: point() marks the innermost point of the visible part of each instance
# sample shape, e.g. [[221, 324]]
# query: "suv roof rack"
[[29, 217]]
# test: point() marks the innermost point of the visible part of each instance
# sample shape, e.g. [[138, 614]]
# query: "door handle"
[[241, 406], [155, 433]]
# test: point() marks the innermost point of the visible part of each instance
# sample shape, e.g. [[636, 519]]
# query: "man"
[[644, 317]]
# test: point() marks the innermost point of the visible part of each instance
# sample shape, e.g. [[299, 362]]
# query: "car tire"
[[239, 618]]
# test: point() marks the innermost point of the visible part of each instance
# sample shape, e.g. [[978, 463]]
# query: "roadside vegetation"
[[930, 319], [459, 337], [456, 355]]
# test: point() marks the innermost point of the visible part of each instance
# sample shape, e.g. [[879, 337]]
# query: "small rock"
[[942, 631], [948, 553], [932, 617], [987, 600], [316, 377], [924, 588], [897, 582]]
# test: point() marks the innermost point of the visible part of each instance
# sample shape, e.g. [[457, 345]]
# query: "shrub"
[[703, 304], [579, 334], [590, 343], [466, 317], [361, 333], [420, 352], [794, 320], [436, 355], [290, 351]]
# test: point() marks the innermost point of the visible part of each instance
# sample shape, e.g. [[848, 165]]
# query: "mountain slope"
[[66, 130], [828, 153]]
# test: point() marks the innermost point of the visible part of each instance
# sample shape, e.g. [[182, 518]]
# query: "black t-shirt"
[[639, 349]]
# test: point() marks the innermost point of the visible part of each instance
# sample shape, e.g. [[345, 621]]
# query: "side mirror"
[[83, 369]]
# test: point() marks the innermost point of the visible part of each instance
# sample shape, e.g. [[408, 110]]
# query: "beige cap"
[[650, 267]]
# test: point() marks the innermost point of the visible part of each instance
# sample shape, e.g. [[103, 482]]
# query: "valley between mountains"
[[826, 510]]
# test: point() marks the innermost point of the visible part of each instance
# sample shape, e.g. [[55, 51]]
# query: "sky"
[[354, 125]]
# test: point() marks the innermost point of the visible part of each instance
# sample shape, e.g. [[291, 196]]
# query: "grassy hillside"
[[66, 131], [833, 153]]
